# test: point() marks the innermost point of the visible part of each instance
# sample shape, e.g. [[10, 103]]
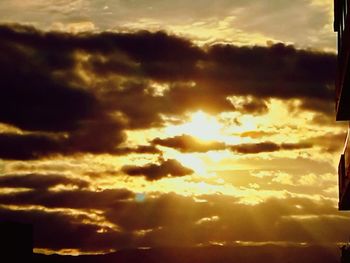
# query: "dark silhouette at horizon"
[[208, 254], [16, 241]]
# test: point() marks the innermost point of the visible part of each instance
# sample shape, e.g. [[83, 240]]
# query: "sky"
[[135, 124]]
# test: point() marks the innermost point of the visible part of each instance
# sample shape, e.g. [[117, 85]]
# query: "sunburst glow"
[[201, 126], [193, 162], [181, 125]]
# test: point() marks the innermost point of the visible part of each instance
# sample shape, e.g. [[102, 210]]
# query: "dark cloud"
[[252, 148], [39, 181], [152, 172], [141, 149], [77, 199], [162, 57], [57, 230], [93, 136], [296, 146], [26, 147], [277, 71], [98, 137], [186, 143], [160, 54], [102, 134], [33, 97], [171, 219], [77, 93], [261, 73]]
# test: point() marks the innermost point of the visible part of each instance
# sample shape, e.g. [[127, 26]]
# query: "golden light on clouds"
[[207, 132]]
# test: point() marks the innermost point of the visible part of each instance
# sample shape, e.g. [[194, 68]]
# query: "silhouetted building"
[[345, 253], [16, 241], [342, 27]]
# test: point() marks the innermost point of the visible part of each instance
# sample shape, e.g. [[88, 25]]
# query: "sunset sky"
[[134, 123]]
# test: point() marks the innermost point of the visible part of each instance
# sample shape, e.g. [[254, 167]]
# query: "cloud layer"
[[84, 152], [79, 93]]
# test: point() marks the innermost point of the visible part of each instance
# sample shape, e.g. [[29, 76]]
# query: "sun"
[[201, 126], [205, 129]]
